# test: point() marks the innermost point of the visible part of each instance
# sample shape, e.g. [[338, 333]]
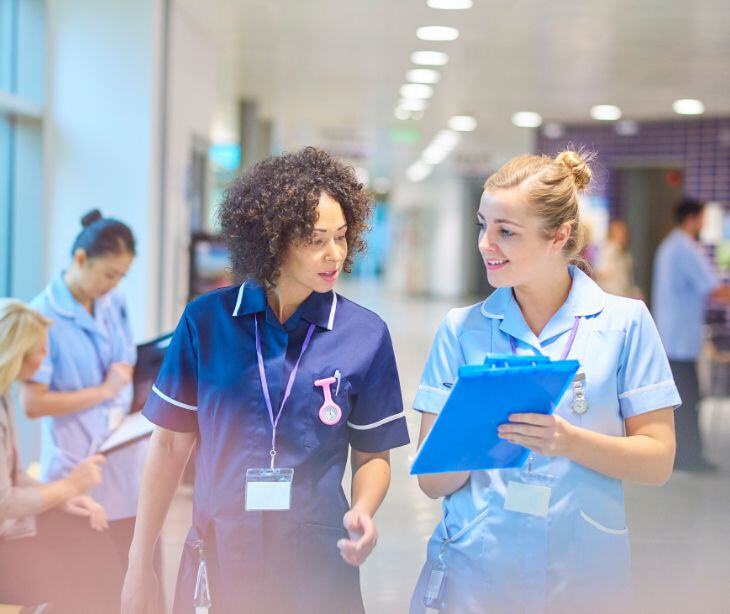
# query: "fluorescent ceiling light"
[[688, 106], [437, 33], [423, 75], [606, 112], [418, 171], [450, 5], [527, 119], [430, 58], [463, 123], [446, 137], [416, 90], [433, 156], [412, 104]]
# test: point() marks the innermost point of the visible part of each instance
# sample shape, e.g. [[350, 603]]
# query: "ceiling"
[[328, 71]]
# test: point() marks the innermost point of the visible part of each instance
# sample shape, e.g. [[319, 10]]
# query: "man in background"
[[684, 281]]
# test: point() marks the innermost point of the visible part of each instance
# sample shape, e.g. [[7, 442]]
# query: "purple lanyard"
[[265, 384], [566, 351]]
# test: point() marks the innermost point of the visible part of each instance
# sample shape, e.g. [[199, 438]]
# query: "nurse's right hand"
[[117, 378], [139, 592], [87, 474]]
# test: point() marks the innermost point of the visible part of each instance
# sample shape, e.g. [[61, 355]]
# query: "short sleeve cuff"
[[385, 434], [169, 413], [43, 375], [649, 398], [430, 399]]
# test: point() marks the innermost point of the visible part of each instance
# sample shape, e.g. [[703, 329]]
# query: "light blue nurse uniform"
[[577, 557], [81, 349], [683, 282]]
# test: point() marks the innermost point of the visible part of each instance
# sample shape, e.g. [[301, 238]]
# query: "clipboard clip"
[[496, 361]]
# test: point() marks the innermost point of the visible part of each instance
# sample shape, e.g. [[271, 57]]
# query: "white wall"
[[102, 133], [436, 206], [192, 83]]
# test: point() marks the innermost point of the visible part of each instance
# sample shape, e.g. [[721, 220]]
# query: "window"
[[22, 76]]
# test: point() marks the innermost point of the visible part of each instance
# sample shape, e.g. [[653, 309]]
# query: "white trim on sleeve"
[[649, 388], [172, 401], [440, 391], [374, 425]]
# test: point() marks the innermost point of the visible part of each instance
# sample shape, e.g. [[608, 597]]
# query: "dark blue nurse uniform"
[[275, 561]]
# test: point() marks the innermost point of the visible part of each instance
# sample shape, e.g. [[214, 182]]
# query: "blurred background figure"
[[54, 539], [684, 282], [614, 270]]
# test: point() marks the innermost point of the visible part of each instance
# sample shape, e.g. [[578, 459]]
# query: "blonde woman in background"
[[53, 544]]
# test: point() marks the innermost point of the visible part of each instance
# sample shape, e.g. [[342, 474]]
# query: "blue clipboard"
[[464, 435]]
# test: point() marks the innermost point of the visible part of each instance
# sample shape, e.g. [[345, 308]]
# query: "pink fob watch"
[[330, 412]]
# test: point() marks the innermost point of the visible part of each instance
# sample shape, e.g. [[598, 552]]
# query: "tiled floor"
[[680, 532]]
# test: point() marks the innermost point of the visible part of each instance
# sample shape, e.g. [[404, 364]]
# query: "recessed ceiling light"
[[606, 112], [688, 106], [416, 90], [450, 5], [402, 114], [437, 33], [430, 58], [463, 123], [412, 104], [527, 119], [418, 171], [423, 75]]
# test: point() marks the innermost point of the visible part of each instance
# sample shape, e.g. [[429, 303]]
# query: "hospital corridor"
[[364, 307]]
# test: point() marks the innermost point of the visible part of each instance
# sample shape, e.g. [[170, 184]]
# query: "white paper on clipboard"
[[133, 428]]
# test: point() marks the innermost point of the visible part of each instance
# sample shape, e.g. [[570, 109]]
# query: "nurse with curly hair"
[[275, 381]]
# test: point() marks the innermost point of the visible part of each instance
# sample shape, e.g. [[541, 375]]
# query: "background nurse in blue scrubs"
[[275, 380], [551, 536], [83, 387]]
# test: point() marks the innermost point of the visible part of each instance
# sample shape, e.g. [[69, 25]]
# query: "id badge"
[[268, 489], [532, 499]]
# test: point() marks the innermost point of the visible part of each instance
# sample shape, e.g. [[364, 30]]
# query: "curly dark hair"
[[275, 203]]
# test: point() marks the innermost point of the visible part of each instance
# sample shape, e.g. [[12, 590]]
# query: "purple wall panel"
[[700, 146]]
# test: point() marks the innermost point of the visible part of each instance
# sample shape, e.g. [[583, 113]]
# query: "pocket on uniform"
[[606, 559], [454, 534], [603, 528]]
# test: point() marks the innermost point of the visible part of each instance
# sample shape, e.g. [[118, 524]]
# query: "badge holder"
[[201, 597], [532, 494], [269, 489], [434, 597]]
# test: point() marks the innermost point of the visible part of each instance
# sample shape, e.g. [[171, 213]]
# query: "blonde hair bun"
[[577, 165]]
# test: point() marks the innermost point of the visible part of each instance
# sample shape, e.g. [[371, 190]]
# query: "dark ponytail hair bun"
[[102, 236], [92, 216]]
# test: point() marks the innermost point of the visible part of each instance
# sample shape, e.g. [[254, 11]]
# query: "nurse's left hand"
[[363, 537], [548, 435], [83, 505]]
